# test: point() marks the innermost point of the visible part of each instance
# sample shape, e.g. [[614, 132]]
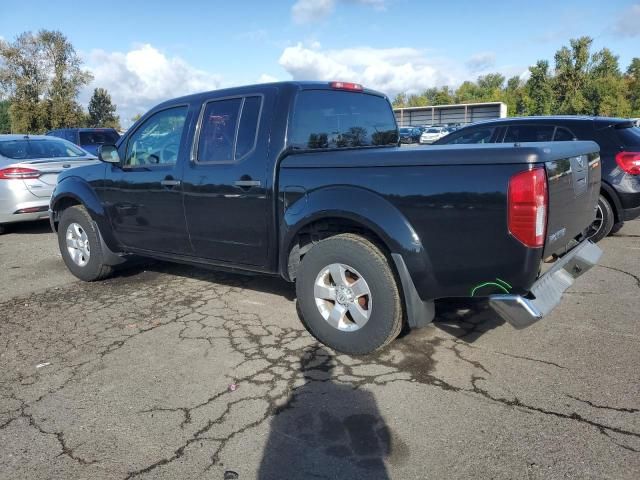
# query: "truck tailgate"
[[573, 187]]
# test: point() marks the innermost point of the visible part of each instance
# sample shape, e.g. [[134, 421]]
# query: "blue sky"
[[144, 55]]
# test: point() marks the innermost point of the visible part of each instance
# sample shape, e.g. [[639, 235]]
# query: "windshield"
[[405, 130], [98, 137], [31, 149], [325, 119], [433, 130]]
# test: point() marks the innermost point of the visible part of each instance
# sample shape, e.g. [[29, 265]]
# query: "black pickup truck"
[[306, 180]]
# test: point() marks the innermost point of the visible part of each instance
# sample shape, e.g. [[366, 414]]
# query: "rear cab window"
[[97, 137], [469, 136], [329, 119]]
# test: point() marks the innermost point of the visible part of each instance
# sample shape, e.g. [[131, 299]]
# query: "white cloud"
[[266, 78], [481, 62], [390, 70], [307, 11], [628, 22], [144, 77]]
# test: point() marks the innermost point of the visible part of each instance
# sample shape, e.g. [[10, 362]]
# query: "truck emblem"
[[580, 160], [557, 235]]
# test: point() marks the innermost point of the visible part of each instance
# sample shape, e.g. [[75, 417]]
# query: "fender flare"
[[81, 192], [372, 211]]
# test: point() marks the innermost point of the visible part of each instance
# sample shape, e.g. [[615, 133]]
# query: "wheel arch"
[[608, 192]]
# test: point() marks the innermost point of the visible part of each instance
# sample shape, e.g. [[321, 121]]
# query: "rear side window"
[[563, 135], [98, 137], [324, 119], [529, 133], [479, 135], [629, 136], [228, 129]]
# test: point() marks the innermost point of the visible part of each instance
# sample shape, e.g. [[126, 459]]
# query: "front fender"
[[81, 192], [366, 208]]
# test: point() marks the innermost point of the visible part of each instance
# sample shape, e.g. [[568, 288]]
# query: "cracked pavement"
[[130, 378]]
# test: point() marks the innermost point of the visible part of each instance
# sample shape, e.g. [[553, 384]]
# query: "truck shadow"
[[37, 227], [465, 319]]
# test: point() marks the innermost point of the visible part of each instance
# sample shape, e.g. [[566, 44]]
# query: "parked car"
[[305, 180], [29, 167], [88, 139], [432, 134], [410, 134], [619, 141]]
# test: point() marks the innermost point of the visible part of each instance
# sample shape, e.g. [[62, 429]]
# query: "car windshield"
[[31, 149], [433, 130], [98, 137], [405, 130]]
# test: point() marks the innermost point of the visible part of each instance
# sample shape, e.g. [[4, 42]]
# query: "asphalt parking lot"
[[174, 372]]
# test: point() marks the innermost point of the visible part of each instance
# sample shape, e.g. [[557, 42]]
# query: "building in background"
[[463, 114]]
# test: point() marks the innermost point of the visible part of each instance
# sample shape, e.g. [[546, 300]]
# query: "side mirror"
[[108, 154]]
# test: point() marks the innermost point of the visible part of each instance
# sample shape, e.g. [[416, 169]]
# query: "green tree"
[[5, 119], [538, 90], [42, 74], [400, 100], [633, 86], [102, 112]]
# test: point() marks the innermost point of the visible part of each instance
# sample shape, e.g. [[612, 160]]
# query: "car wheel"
[[79, 244], [602, 225], [348, 295]]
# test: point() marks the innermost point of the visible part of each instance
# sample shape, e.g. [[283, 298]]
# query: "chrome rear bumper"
[[547, 292]]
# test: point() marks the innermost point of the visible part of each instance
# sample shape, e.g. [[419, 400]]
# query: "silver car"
[[29, 168]]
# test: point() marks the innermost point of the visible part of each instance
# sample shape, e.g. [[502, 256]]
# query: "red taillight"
[[528, 201], [13, 173], [629, 162], [355, 87]]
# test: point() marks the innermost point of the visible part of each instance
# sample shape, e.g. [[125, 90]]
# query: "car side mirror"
[[108, 154]]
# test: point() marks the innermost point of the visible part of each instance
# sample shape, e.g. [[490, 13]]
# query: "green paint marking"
[[502, 282], [488, 284]]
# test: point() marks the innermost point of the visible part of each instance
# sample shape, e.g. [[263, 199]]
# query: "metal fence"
[[450, 114]]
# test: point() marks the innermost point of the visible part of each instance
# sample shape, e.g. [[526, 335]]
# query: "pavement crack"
[[605, 407]]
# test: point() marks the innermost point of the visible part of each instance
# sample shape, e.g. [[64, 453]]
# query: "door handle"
[[170, 183], [247, 183]]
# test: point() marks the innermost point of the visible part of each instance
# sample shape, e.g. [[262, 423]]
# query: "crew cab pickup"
[[306, 180]]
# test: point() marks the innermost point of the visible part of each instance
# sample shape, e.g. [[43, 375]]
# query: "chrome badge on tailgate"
[[580, 172]]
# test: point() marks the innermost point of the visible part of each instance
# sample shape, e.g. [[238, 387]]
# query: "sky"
[[144, 53]]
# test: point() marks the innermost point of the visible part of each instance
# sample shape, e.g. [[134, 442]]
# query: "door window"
[[529, 133], [157, 141], [223, 138], [479, 135], [563, 135]]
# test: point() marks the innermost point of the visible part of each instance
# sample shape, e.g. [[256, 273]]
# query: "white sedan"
[[432, 134]]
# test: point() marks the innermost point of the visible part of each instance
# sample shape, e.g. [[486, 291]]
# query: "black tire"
[[95, 268], [616, 228], [603, 224], [385, 318]]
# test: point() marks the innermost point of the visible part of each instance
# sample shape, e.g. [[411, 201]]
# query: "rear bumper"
[[547, 292]]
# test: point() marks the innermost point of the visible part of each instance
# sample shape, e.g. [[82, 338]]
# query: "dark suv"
[[88, 138], [619, 141]]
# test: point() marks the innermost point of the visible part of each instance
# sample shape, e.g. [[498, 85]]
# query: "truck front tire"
[[79, 242], [348, 295]]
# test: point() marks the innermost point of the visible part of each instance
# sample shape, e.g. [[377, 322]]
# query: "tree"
[[633, 86], [5, 120], [539, 91], [102, 110], [136, 117], [42, 74], [572, 75]]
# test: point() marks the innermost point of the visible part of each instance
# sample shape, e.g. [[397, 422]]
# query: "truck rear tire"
[[602, 225], [79, 243], [348, 295]]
